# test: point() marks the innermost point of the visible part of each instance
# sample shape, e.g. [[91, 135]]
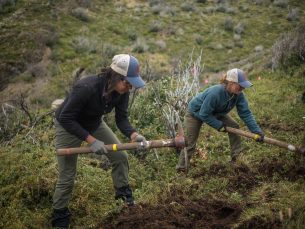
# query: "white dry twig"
[[182, 87]]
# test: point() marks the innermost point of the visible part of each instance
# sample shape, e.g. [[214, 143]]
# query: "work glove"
[[139, 138], [142, 139], [98, 147], [223, 128], [260, 137]]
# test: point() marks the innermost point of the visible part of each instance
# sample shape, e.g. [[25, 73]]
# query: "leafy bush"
[[85, 3], [157, 9], [6, 3], [47, 36], [289, 49], [239, 28], [209, 9], [198, 39], [187, 7], [132, 35], [228, 24], [281, 3], [83, 44], [260, 2], [293, 15], [140, 46], [81, 14], [155, 26], [160, 44], [37, 70]]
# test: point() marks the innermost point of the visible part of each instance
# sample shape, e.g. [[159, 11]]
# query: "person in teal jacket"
[[212, 107]]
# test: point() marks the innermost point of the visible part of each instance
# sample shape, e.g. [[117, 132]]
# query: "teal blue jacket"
[[215, 102]]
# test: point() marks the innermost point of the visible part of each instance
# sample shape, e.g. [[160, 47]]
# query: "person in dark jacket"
[[212, 107], [80, 118]]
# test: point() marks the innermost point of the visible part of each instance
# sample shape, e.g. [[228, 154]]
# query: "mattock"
[[270, 141], [178, 142]]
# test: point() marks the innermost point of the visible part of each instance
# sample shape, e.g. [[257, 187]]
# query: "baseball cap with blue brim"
[[238, 76], [128, 66]]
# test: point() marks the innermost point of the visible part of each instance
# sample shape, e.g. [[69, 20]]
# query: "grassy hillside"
[[43, 44]]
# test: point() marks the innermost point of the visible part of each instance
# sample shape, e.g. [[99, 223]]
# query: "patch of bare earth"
[[178, 212]]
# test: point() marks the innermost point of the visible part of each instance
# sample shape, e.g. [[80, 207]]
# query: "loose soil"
[[178, 210]]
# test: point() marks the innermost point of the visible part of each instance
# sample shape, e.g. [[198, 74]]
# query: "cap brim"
[[136, 82], [246, 84]]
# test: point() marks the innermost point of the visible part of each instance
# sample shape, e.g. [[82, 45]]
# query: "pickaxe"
[[266, 139]]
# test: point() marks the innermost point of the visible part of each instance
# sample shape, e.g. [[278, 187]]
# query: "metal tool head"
[[180, 142]]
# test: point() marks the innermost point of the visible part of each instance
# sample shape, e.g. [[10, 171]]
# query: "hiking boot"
[[61, 218], [233, 159], [125, 193]]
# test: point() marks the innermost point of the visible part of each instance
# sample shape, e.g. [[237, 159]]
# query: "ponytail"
[[223, 79]]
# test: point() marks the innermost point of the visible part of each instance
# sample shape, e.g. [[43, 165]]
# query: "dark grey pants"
[[67, 164], [193, 126]]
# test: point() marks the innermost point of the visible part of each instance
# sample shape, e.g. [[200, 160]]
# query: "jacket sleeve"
[[206, 113], [246, 115], [121, 116], [76, 101]]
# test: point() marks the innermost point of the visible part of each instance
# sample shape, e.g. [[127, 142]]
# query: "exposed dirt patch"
[[242, 179], [214, 170], [259, 223], [177, 212], [290, 171]]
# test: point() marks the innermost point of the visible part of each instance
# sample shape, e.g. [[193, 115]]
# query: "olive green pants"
[[193, 126], [67, 164]]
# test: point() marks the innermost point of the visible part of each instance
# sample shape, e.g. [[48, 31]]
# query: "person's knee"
[[66, 182], [67, 179], [233, 124], [120, 158]]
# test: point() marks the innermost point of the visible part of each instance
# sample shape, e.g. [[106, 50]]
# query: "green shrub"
[[293, 15], [281, 3], [83, 44], [228, 24], [155, 27], [81, 14], [289, 49], [140, 46], [7, 4], [188, 7], [239, 28]]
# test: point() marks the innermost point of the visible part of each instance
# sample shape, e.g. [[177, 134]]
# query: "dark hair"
[[112, 78]]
